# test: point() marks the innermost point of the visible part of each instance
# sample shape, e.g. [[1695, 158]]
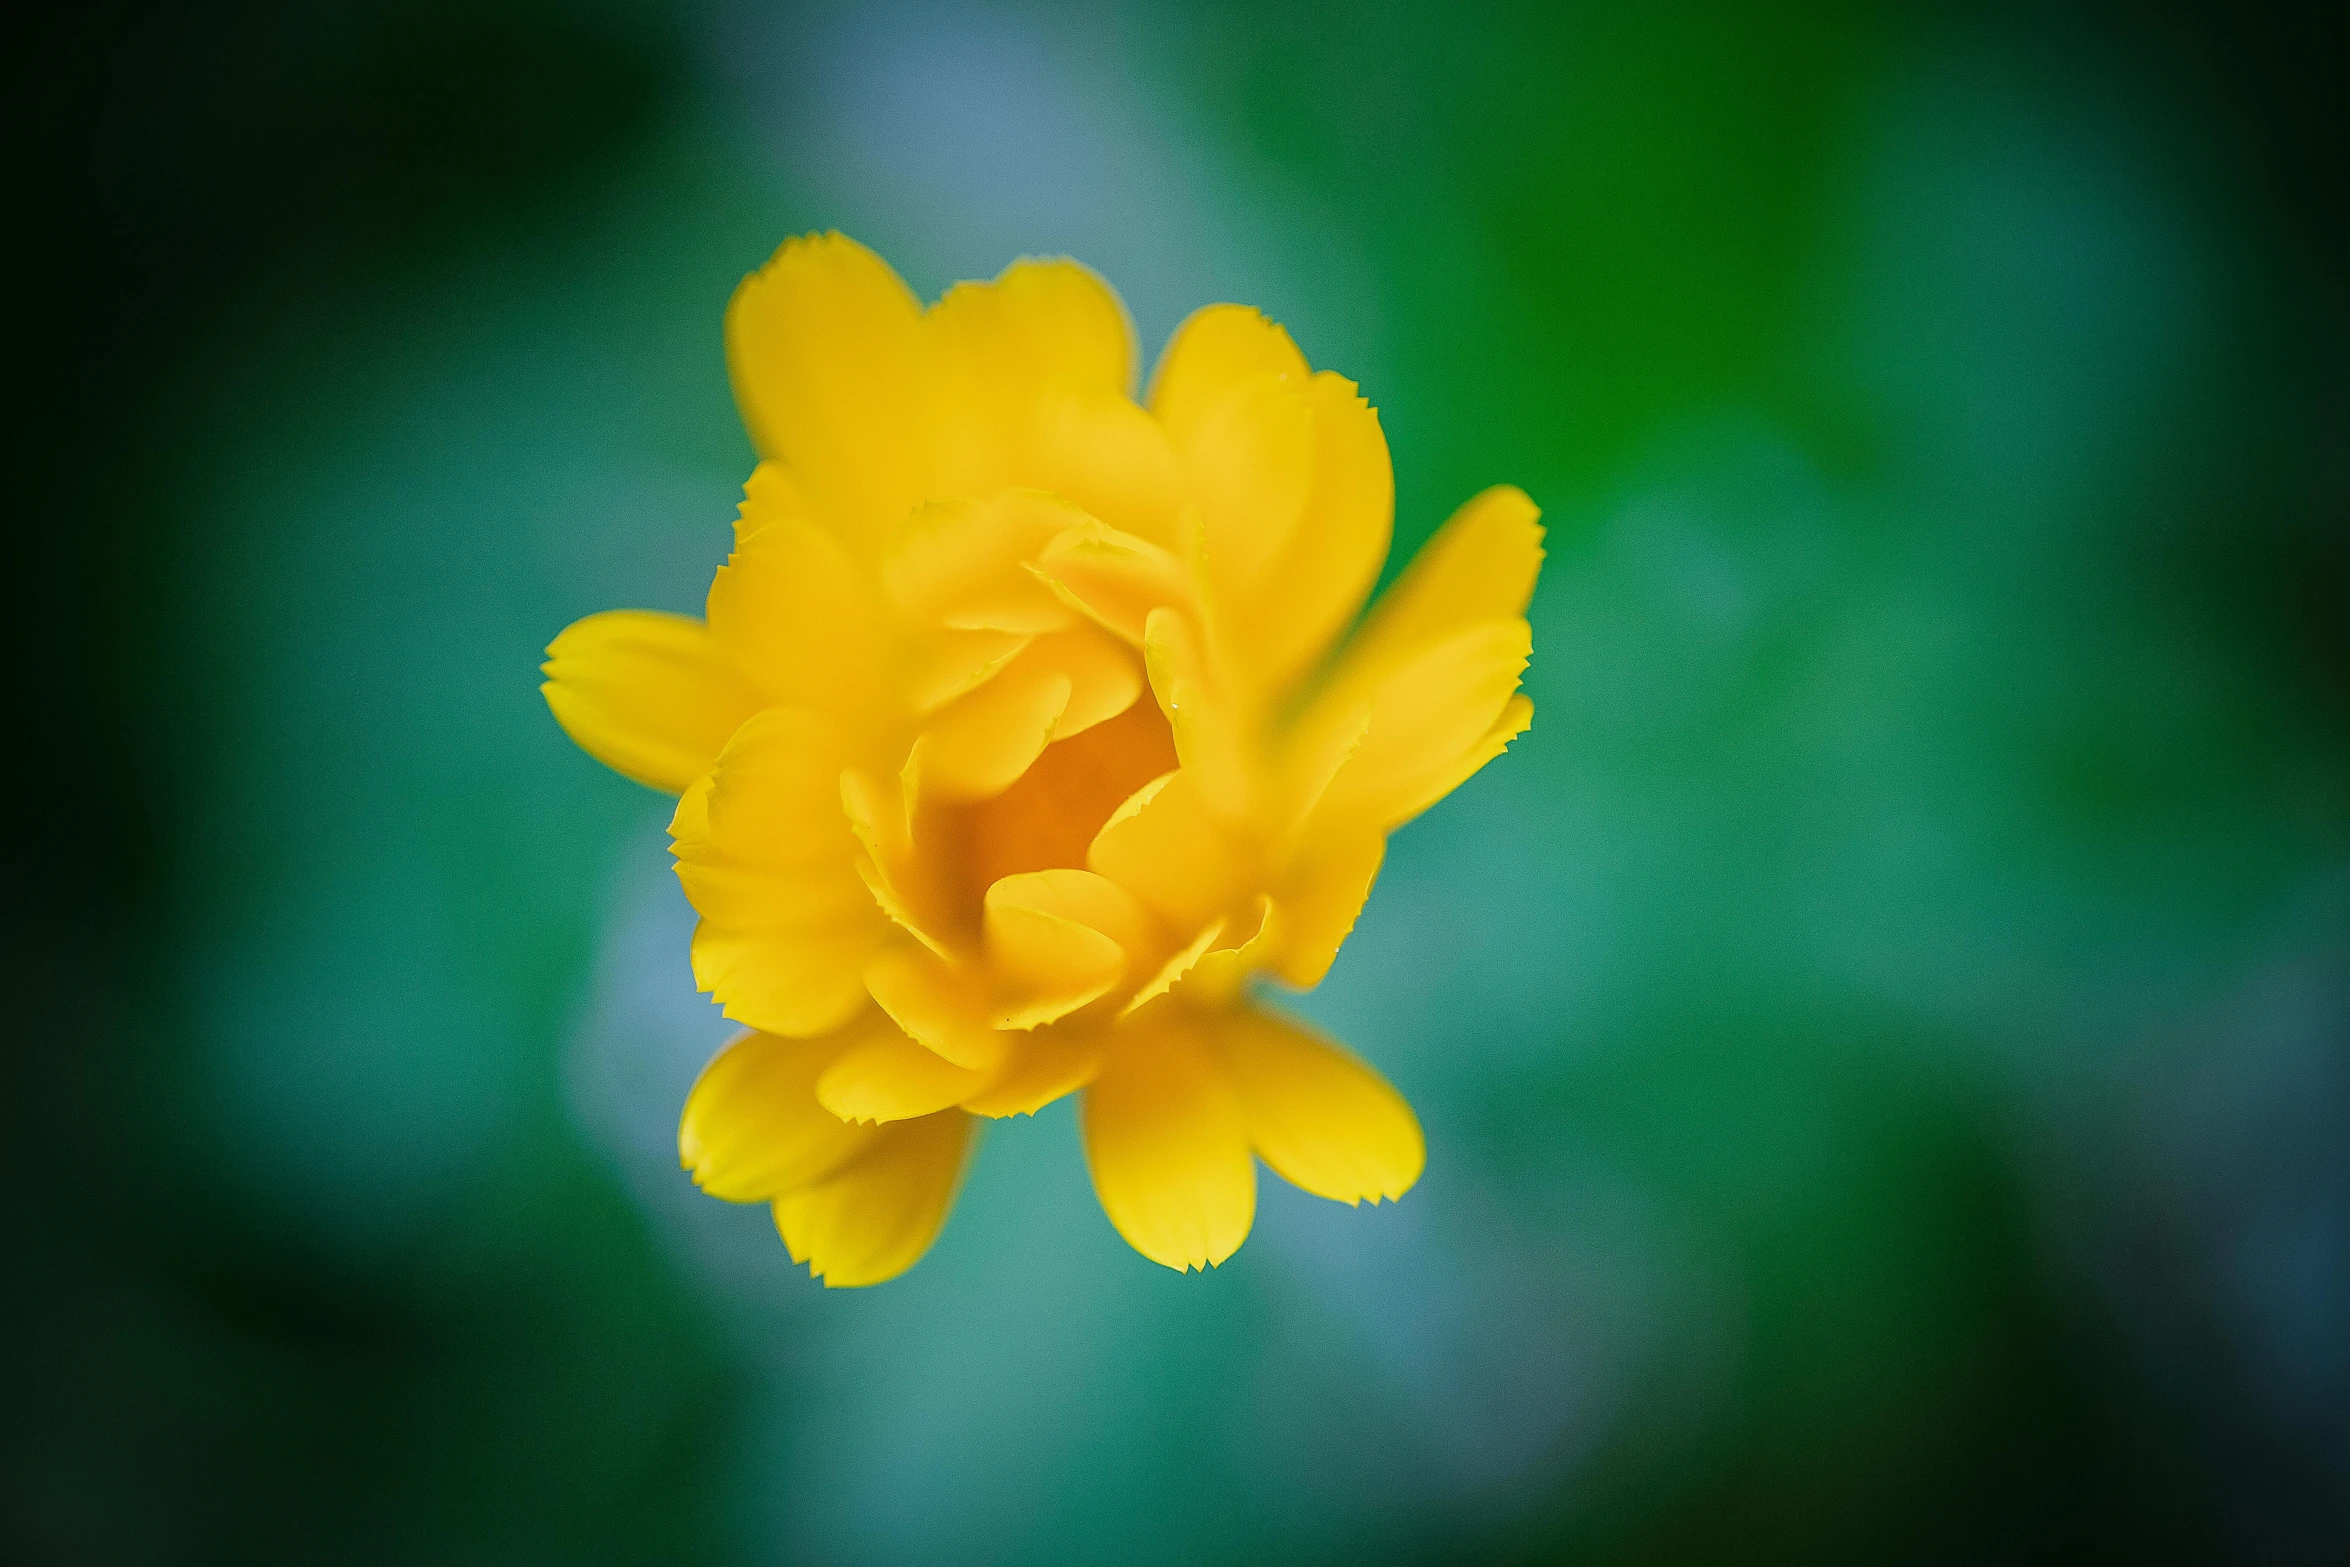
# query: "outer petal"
[[767, 857], [1321, 898], [771, 494], [1323, 575], [1479, 567], [1322, 1119], [1513, 722], [874, 1218], [1041, 322], [1010, 359], [1250, 455], [823, 346], [885, 1076], [1214, 350], [1427, 714], [1043, 1066], [1167, 1142], [801, 618], [752, 1126], [651, 696]]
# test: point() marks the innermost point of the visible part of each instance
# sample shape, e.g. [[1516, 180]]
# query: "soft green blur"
[[1880, 1035]]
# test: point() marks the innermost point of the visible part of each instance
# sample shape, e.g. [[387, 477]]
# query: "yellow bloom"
[[1029, 722]]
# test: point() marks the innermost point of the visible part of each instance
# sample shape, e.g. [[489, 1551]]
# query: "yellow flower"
[[1028, 723]]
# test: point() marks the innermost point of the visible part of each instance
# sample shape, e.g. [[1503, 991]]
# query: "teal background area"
[[1881, 1035]]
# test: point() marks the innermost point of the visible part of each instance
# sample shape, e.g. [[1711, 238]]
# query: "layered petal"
[[752, 1126], [1164, 847], [1167, 1143], [873, 1218], [882, 1075], [978, 745], [767, 858], [1217, 348], [1323, 1120], [1009, 356], [1043, 322], [651, 696], [1042, 1067], [1058, 939], [1480, 567], [1250, 457], [1427, 714], [944, 1007], [1322, 574], [1215, 735], [963, 564], [1115, 578], [1100, 452], [1059, 685], [1320, 897], [801, 618], [824, 348]]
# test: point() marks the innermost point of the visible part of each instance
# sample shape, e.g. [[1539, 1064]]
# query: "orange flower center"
[[1047, 819]]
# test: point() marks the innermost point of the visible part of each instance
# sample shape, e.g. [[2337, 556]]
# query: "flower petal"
[[1211, 735], [1323, 1120], [1515, 718], [771, 494], [885, 1076], [752, 1126], [1042, 1067], [943, 665], [1105, 455], [1040, 323], [802, 619], [1322, 896], [781, 981], [823, 346], [938, 1005], [1113, 577], [1242, 946], [1057, 939], [1428, 712], [1162, 846], [903, 882], [874, 1218], [1215, 349], [979, 744], [1174, 970], [1167, 1143], [1326, 569], [1480, 567], [1250, 455], [963, 563], [1104, 676], [769, 861], [651, 696]]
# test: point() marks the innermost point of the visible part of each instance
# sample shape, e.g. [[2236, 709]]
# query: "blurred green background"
[[1884, 1037]]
